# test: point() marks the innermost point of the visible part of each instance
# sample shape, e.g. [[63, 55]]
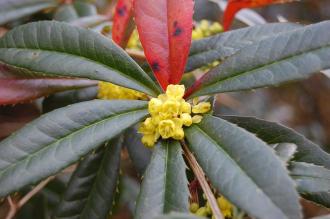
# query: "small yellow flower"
[[166, 128], [186, 119], [171, 108], [197, 118], [147, 127], [185, 107], [175, 91], [149, 140], [201, 212], [110, 91], [154, 106], [225, 206], [193, 207], [202, 107]]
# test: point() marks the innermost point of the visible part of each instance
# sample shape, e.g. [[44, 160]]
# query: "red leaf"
[[19, 90], [165, 28], [123, 24], [236, 5]]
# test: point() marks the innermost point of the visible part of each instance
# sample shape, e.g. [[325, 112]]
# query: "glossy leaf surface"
[[165, 29], [223, 45], [273, 133], [164, 187], [54, 49], [285, 57], [62, 137], [91, 190], [14, 9], [243, 167]]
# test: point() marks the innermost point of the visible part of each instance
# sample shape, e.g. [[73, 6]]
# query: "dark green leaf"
[[244, 169], [312, 181], [51, 48], [164, 186], [139, 154], [60, 138], [71, 12], [223, 45], [274, 133], [129, 191], [285, 57], [92, 186], [65, 98], [178, 216], [14, 9]]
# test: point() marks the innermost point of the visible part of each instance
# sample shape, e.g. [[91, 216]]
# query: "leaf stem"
[[200, 175]]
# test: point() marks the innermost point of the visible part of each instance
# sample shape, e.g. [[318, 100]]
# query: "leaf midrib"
[[44, 148], [239, 167], [79, 57]]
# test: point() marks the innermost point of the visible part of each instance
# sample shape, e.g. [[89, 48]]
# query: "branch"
[[200, 175], [14, 207]]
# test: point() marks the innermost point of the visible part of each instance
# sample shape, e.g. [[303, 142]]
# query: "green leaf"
[[52, 49], [312, 181], [221, 46], [60, 138], [13, 9], [322, 217], [285, 151], [65, 98], [71, 12], [244, 169], [91, 189], [178, 216], [164, 186], [273, 133], [139, 154], [285, 57]]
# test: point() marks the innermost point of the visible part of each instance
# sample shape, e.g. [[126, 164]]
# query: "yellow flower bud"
[[175, 91], [197, 34], [202, 107], [201, 212], [149, 140], [225, 206], [216, 28], [186, 119], [166, 128], [204, 25], [197, 118], [154, 106], [185, 107], [171, 108], [208, 208], [147, 127], [178, 134], [193, 207]]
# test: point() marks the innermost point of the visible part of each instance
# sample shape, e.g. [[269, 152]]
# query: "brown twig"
[[14, 207], [136, 54], [199, 173]]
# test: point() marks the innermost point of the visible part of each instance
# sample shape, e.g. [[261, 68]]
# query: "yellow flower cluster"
[[169, 113], [225, 206], [204, 28], [110, 91], [134, 41]]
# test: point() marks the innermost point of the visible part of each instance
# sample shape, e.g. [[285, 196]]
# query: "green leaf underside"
[[285, 57], [14, 9], [51, 48], [60, 138], [91, 188], [164, 186], [223, 45], [244, 169], [79, 187], [139, 154], [273, 133], [313, 182]]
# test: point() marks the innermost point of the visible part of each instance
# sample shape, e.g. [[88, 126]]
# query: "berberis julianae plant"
[[242, 164]]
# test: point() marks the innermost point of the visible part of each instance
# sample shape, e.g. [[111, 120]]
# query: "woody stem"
[[200, 175]]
